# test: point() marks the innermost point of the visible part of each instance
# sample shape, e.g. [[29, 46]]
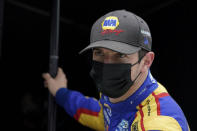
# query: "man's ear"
[[147, 61]]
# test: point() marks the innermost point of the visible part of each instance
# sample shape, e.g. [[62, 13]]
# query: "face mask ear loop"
[[140, 59], [137, 77], [135, 64], [138, 62]]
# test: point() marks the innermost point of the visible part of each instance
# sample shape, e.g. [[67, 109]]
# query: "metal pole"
[[1, 24], [53, 60]]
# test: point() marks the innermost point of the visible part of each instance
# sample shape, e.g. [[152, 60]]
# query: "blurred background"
[[24, 53]]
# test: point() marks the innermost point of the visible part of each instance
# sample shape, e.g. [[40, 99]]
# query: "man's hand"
[[54, 84]]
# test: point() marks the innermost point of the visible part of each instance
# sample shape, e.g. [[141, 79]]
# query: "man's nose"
[[107, 60]]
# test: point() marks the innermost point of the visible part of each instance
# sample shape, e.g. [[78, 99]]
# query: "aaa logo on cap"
[[110, 22]]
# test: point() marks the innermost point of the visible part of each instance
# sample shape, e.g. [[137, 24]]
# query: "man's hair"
[[142, 53]]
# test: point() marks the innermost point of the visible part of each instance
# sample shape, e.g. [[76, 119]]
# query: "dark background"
[[25, 50]]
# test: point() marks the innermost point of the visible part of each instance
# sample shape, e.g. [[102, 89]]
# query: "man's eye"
[[98, 53], [121, 55]]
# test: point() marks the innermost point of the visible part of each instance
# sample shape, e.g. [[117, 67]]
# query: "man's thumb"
[[46, 76], [60, 73]]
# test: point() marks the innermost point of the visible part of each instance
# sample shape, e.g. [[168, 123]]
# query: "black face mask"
[[113, 80]]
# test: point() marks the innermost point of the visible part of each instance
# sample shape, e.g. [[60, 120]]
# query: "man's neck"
[[139, 81]]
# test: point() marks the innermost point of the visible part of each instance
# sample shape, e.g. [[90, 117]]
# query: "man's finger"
[[60, 73], [45, 84], [46, 76]]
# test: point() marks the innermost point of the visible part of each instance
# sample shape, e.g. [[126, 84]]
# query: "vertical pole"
[[53, 60], [1, 24]]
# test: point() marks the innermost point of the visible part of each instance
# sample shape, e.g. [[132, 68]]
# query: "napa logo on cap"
[[110, 23]]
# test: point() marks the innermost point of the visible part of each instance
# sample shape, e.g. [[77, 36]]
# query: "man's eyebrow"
[[96, 49], [119, 53]]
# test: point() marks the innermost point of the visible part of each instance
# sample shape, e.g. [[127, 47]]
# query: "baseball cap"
[[121, 31]]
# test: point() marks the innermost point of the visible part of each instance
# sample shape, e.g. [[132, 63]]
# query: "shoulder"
[[162, 123], [160, 112]]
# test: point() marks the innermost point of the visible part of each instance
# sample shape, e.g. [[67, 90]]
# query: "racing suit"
[[149, 108]]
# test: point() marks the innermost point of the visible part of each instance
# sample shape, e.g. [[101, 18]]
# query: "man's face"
[[108, 56]]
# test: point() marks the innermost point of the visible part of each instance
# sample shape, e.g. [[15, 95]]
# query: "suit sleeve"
[[86, 110]]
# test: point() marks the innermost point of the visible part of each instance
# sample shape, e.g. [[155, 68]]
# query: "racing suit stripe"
[[157, 102], [142, 118], [94, 121], [136, 124], [85, 111], [160, 95]]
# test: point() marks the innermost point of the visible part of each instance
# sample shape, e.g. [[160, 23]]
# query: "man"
[[130, 99]]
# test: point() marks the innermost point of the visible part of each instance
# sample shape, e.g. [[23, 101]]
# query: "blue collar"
[[149, 85]]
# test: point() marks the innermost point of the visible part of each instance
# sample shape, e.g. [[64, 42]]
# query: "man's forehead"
[[105, 50], [110, 51]]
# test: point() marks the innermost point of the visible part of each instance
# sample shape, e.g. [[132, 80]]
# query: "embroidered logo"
[[123, 126], [106, 117], [148, 107], [108, 109], [147, 33], [135, 126], [110, 24], [146, 41]]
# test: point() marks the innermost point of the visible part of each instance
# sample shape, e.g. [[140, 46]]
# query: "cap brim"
[[112, 45]]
